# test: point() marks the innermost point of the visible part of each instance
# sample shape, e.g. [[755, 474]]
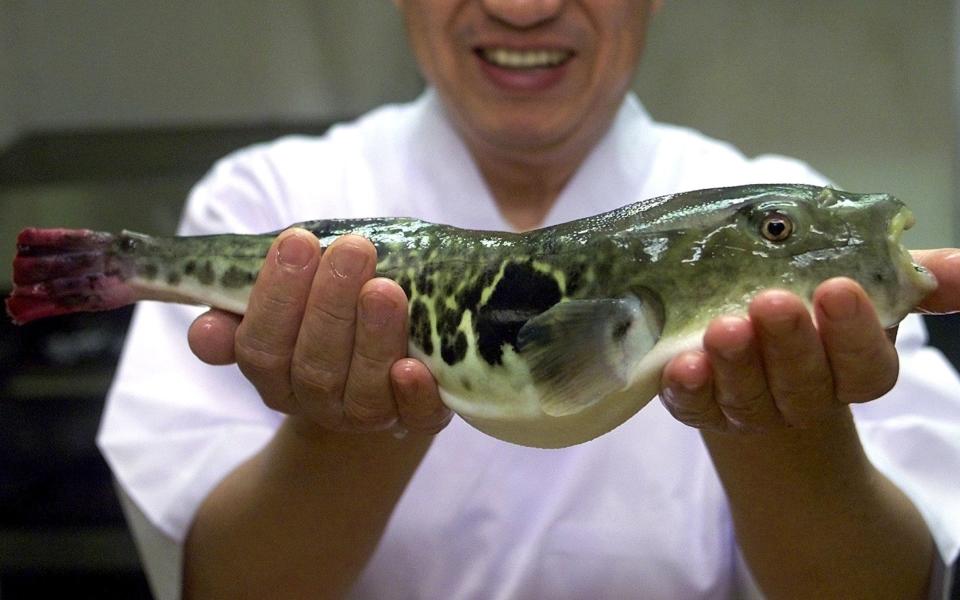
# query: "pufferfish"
[[546, 338]]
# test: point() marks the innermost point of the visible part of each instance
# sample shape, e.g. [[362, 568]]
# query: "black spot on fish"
[[381, 248], [420, 326], [878, 277], [448, 319], [454, 352], [173, 278], [468, 297], [521, 294], [452, 348], [424, 282], [234, 277], [205, 273], [149, 271], [190, 267], [404, 283], [574, 280]]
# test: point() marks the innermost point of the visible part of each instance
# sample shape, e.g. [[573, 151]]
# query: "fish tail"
[[61, 271]]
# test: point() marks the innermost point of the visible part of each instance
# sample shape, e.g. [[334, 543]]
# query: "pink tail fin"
[[59, 271]]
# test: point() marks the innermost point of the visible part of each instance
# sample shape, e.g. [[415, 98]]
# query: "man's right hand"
[[324, 340]]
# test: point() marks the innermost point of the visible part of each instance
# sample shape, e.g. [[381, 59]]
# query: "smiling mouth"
[[506, 58]]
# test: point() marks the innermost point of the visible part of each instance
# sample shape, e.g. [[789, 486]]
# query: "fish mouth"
[[916, 275], [902, 221]]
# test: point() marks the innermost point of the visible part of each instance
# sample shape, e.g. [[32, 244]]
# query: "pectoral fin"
[[580, 351]]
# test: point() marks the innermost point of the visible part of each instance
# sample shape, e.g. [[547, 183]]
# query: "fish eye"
[[776, 227]]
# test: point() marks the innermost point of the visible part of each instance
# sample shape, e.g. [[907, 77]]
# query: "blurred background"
[[110, 110]]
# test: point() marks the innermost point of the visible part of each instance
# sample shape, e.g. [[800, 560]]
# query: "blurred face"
[[529, 76]]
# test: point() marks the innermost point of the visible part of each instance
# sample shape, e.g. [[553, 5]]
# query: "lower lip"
[[523, 80]]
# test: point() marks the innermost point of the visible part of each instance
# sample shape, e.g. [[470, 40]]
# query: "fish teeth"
[[525, 59]]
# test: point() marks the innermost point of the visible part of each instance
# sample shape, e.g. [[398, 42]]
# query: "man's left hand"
[[781, 367]]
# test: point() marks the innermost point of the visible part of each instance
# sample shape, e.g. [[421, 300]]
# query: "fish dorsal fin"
[[581, 350]]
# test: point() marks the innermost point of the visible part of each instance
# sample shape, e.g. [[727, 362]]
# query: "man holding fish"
[[313, 469]]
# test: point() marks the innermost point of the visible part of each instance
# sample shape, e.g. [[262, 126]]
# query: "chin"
[[525, 136]]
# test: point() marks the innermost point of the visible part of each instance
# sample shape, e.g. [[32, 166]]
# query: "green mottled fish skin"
[[687, 258]]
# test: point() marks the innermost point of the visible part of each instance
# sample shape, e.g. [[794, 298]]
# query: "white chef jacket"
[[636, 513]]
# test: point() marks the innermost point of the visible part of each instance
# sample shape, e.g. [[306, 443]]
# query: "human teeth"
[[524, 59]]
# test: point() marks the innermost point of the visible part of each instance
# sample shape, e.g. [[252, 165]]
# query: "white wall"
[[8, 84], [862, 90], [110, 62], [956, 123]]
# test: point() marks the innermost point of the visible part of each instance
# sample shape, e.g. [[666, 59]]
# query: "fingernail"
[[840, 304], [295, 252], [677, 390], [348, 261], [693, 378], [376, 310], [779, 324], [730, 345], [735, 351], [668, 395], [399, 431], [674, 396]]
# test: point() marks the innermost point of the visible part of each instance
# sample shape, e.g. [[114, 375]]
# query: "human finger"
[[739, 381], [321, 358], [944, 263], [418, 398], [267, 334], [687, 392], [379, 341], [794, 361], [862, 359], [211, 337]]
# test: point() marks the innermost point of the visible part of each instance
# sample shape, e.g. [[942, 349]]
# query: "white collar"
[[616, 170]]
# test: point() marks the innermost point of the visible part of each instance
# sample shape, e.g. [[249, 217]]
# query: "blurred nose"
[[522, 13]]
